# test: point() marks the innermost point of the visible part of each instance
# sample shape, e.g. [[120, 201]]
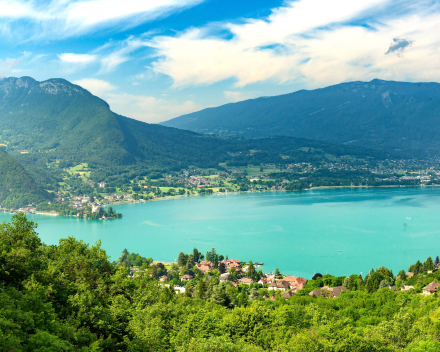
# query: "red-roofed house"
[[294, 281], [246, 281], [204, 268]]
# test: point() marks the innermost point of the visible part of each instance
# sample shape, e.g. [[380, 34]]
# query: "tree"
[[196, 255], [216, 261], [212, 254], [221, 268], [208, 256], [190, 261], [277, 272], [437, 260], [251, 271], [428, 264], [254, 294], [181, 259], [316, 276], [188, 289], [233, 276], [200, 289], [373, 282], [401, 275]]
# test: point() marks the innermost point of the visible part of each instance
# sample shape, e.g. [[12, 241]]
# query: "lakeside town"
[[200, 276], [84, 193]]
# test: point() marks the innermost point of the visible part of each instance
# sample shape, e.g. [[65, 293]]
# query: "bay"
[[340, 231]]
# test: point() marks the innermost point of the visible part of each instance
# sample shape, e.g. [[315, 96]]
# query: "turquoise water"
[[339, 231]]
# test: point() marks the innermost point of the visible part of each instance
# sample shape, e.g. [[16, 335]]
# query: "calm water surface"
[[339, 231]]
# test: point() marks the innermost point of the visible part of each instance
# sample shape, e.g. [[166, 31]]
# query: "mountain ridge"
[[56, 119], [390, 115]]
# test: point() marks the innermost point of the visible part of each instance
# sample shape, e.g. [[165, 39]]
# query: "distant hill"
[[17, 187], [394, 116], [55, 119]]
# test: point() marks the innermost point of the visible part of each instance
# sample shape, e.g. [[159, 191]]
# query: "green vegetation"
[[17, 187], [70, 297], [379, 114]]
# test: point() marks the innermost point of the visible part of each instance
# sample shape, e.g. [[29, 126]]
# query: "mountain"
[[17, 187], [394, 116], [57, 120]]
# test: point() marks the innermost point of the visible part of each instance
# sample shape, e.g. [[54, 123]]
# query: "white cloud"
[[77, 58], [149, 109], [64, 18], [7, 66], [95, 86], [120, 55], [310, 41]]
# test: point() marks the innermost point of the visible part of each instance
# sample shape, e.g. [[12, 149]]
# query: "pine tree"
[[251, 271], [181, 259], [208, 256], [428, 264], [196, 255], [212, 254], [226, 257], [216, 261], [200, 290], [437, 260], [190, 262]]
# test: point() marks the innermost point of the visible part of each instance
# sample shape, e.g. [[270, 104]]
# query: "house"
[[246, 281], [102, 184], [279, 286], [393, 288], [430, 289], [206, 262], [262, 281], [186, 277], [224, 277], [288, 294], [295, 281], [272, 286], [409, 274], [204, 268], [333, 291], [163, 278], [406, 288], [265, 297], [179, 289]]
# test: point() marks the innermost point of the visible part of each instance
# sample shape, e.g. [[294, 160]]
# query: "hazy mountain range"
[[394, 116]]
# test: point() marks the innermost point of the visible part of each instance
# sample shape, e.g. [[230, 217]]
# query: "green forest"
[[72, 297]]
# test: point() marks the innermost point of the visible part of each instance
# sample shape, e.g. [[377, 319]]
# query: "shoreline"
[[237, 192], [272, 190]]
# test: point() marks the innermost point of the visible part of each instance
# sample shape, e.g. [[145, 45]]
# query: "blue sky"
[[157, 59]]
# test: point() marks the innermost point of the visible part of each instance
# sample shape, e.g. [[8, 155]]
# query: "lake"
[[340, 231]]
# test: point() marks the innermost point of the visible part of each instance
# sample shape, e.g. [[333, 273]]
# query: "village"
[[243, 278]]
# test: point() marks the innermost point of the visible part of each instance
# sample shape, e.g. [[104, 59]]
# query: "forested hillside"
[[54, 120], [395, 116], [70, 297], [17, 187]]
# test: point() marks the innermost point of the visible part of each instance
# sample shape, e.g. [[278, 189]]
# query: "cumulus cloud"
[[64, 18], [148, 108], [95, 86], [315, 42]]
